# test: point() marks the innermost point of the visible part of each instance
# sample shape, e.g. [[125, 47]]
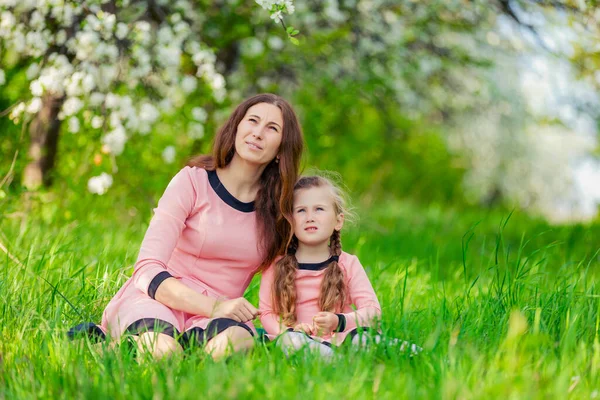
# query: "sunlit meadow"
[[503, 306]]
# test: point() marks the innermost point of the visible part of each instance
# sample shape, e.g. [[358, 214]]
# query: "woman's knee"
[[231, 340], [158, 345]]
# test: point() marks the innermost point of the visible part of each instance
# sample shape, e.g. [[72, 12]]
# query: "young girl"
[[306, 296]]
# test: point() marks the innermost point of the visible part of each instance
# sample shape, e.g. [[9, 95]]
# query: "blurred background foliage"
[[425, 101]]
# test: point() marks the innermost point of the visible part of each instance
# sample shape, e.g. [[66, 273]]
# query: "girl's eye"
[[300, 210], [275, 129], [253, 119], [320, 208]]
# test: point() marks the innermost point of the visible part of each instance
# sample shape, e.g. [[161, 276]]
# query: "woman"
[[221, 219]]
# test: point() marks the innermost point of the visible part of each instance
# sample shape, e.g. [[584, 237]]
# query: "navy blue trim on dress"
[[317, 266], [156, 281], [89, 329], [227, 197], [152, 325], [198, 336], [341, 327]]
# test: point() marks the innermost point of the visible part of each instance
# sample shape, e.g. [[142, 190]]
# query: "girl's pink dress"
[[308, 286], [201, 235]]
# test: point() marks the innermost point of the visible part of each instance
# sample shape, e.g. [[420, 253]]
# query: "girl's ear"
[[340, 222]]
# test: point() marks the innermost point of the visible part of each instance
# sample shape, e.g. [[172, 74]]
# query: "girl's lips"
[[310, 228]]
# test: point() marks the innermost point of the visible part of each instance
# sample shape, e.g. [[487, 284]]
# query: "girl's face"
[[315, 215], [259, 134]]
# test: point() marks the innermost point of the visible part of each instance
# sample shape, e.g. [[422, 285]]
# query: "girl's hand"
[[239, 310], [306, 328], [325, 322]]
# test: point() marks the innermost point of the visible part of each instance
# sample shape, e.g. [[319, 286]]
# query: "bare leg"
[[290, 342], [157, 345], [230, 341]]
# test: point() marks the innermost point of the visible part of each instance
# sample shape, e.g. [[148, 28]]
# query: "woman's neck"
[[241, 179], [312, 254]]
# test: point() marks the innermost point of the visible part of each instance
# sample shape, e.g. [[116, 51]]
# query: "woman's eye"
[[252, 119], [275, 129], [320, 209], [299, 211]]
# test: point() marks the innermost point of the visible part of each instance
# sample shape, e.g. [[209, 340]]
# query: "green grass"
[[503, 305]]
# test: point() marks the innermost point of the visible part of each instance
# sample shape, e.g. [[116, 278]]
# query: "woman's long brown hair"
[[275, 197], [333, 291]]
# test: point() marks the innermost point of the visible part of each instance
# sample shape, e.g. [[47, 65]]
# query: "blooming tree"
[[111, 68]]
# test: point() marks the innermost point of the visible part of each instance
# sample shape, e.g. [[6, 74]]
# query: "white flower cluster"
[[100, 184], [90, 57], [277, 7]]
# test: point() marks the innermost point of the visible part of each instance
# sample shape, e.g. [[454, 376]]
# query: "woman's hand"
[[239, 310], [306, 328], [325, 323]]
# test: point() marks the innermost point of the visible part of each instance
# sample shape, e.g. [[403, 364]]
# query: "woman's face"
[[259, 134]]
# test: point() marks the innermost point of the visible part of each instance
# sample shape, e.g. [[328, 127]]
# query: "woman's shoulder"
[[194, 176], [196, 172]]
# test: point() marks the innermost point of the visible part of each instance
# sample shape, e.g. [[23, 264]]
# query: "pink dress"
[[308, 285], [201, 235]]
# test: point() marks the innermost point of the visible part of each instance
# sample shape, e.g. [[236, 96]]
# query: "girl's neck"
[[312, 254], [241, 179]]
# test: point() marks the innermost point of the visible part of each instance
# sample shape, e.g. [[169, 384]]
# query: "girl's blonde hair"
[[333, 292]]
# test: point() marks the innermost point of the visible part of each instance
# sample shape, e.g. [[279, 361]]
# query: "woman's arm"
[[174, 208], [178, 296]]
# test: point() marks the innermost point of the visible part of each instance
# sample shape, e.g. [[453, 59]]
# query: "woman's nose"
[[257, 132]]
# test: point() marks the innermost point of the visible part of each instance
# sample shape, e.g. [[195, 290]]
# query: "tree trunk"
[[44, 131]]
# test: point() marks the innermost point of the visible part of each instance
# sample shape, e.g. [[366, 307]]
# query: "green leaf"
[[294, 41]]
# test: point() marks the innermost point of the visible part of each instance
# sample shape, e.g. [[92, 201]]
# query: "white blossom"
[[96, 99], [17, 111], [121, 31], [195, 131], [189, 84], [148, 113], [199, 114], [97, 122], [73, 124], [36, 88], [100, 184], [275, 43], [115, 140], [252, 47], [168, 154], [32, 71], [72, 106], [34, 105]]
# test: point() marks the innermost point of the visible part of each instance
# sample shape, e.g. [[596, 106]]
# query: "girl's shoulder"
[[270, 270], [349, 261]]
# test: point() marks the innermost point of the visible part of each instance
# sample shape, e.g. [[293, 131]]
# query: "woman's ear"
[[340, 222]]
